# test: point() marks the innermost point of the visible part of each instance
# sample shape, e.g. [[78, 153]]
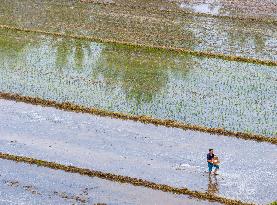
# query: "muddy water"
[[209, 92], [162, 155], [146, 23], [25, 184]]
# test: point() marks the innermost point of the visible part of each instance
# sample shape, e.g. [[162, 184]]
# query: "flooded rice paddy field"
[[196, 90], [46, 186], [138, 80], [164, 155], [146, 23]]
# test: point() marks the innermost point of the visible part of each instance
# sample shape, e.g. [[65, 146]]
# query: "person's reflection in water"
[[212, 185]]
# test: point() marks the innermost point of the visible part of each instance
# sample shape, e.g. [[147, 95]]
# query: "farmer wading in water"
[[212, 161]]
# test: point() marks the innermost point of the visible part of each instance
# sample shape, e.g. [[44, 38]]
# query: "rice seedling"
[[152, 47], [242, 38], [144, 119], [176, 7], [138, 81], [158, 62]]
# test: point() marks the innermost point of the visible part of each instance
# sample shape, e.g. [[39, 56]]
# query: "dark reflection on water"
[[213, 187], [141, 73], [165, 156], [65, 48], [208, 92]]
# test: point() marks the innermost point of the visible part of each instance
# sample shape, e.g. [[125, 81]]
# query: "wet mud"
[[168, 156]]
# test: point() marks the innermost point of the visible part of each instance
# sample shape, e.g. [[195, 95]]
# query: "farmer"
[[212, 162]]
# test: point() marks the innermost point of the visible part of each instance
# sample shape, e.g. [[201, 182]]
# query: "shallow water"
[[27, 184], [162, 155], [149, 25], [210, 7], [265, 9], [209, 92]]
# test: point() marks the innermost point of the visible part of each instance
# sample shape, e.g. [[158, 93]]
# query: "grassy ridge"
[[144, 119], [149, 46], [123, 179]]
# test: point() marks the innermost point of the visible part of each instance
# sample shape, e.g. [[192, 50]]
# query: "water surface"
[[31, 185], [147, 22], [209, 92], [163, 155]]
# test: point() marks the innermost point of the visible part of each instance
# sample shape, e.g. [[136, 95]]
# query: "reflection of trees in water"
[[12, 42], [13, 46], [141, 73], [67, 48], [78, 18], [69, 16]]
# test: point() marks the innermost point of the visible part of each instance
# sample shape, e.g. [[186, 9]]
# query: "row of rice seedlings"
[[123, 179], [199, 91], [133, 5], [144, 28], [91, 93], [151, 47], [153, 29], [113, 16], [186, 33], [144, 119]]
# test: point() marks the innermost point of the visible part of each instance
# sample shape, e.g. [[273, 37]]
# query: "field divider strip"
[[67, 106], [122, 179], [149, 46]]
